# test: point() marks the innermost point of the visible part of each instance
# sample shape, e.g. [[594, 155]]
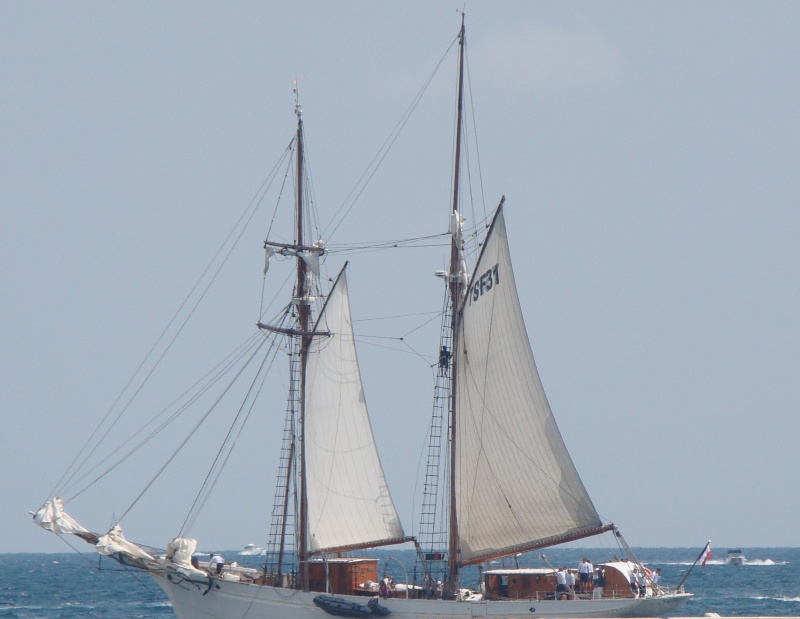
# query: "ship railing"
[[232, 571], [608, 594]]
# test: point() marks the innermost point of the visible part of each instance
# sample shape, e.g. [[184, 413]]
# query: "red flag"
[[706, 554]]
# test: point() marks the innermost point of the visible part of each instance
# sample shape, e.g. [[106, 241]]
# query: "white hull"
[[248, 601]]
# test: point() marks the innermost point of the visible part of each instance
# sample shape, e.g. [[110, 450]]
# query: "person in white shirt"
[[641, 580], [571, 583], [585, 570], [216, 563], [656, 576], [562, 592]]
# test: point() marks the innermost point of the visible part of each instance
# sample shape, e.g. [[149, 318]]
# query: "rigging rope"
[[373, 166], [227, 445], [278, 200], [202, 387], [243, 221], [189, 436], [477, 149], [415, 242]]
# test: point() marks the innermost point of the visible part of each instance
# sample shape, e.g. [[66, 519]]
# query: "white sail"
[[348, 500], [52, 517], [515, 481]]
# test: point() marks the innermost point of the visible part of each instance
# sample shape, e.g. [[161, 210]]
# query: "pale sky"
[[649, 155]]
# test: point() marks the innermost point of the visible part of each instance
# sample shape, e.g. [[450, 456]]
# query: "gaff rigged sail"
[[516, 484]]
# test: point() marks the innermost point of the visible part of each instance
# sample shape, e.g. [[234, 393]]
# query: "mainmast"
[[456, 293], [304, 312]]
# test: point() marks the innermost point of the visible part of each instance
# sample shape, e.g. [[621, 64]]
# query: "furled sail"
[[516, 485], [51, 516], [349, 504]]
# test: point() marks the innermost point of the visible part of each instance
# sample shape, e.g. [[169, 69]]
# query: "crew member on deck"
[[571, 584], [656, 576], [599, 583], [384, 586], [562, 592], [585, 570], [216, 563]]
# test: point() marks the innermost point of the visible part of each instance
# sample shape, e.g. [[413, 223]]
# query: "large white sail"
[[349, 503], [515, 481]]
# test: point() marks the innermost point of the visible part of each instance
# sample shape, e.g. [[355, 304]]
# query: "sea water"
[[71, 586]]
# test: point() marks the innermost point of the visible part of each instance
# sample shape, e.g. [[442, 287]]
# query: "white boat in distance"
[[251, 549], [735, 557], [512, 487]]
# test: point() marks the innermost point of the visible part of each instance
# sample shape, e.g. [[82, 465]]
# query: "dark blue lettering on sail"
[[484, 284]]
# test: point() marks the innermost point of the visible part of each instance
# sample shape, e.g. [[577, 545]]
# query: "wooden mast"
[[456, 286], [301, 298]]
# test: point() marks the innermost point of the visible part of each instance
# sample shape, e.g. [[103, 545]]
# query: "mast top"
[[297, 109]]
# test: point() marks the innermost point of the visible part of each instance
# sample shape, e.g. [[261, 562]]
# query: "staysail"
[[517, 487], [349, 504]]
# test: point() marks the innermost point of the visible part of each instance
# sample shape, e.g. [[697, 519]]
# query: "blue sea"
[[61, 586]]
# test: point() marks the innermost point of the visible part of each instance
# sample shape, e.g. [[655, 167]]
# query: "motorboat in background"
[[735, 557], [251, 549]]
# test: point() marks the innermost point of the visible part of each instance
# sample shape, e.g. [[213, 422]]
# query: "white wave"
[[152, 604], [756, 562], [780, 598], [765, 562], [709, 562]]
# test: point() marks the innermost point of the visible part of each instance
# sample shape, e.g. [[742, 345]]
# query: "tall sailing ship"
[[510, 483]]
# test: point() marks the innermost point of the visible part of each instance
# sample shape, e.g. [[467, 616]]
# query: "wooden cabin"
[[520, 584], [540, 583], [346, 576], [618, 575]]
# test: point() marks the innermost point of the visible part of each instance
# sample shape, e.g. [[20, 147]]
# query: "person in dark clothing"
[[444, 358]]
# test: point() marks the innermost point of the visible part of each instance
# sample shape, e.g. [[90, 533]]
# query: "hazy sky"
[[649, 154]]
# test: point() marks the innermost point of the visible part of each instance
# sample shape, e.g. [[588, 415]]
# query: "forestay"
[[349, 503], [516, 484]]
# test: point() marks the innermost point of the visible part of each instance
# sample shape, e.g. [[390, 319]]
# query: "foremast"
[[304, 315], [305, 255], [336, 510]]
